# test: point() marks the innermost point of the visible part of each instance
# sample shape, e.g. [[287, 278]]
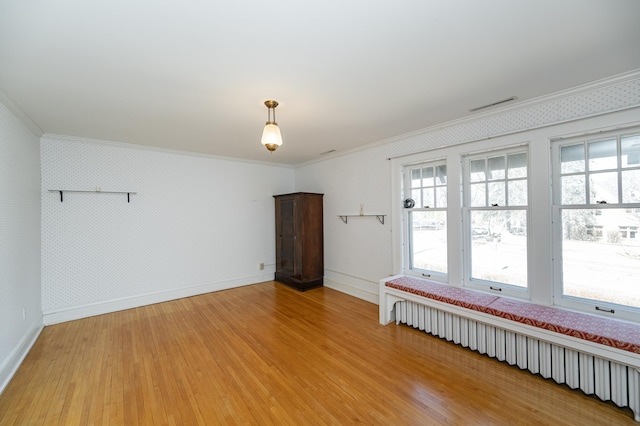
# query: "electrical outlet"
[[261, 266]]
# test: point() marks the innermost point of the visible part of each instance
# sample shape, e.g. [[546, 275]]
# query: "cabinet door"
[[310, 238], [287, 237]]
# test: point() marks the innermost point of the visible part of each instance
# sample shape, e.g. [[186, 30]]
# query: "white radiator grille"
[[593, 375]]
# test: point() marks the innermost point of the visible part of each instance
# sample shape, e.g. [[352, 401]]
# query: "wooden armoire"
[[299, 240]]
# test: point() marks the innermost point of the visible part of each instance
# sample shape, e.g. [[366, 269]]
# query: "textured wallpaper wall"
[[195, 224], [19, 240]]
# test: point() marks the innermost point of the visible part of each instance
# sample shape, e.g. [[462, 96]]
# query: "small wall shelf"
[[61, 191], [345, 217]]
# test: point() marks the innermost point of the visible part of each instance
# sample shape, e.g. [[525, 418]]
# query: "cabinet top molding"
[[298, 193]]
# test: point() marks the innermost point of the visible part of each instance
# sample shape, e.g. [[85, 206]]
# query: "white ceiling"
[[193, 75]]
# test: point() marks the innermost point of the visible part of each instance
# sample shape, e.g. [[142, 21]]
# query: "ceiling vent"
[[513, 98]]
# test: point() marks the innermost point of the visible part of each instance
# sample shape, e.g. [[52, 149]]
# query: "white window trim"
[[433, 275], [574, 303], [479, 284]]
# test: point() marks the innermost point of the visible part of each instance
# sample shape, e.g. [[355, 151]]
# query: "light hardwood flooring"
[[266, 354]]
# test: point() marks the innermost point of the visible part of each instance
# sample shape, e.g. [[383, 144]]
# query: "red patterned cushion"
[[443, 293], [609, 332], [613, 333]]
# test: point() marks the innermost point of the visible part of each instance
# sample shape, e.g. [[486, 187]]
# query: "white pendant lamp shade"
[[271, 137]]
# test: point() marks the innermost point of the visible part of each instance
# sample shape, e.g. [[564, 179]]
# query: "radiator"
[[608, 380]]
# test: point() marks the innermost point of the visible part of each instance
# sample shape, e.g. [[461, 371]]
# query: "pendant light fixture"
[[271, 137]]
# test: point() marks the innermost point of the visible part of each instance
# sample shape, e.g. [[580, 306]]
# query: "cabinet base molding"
[[298, 284]]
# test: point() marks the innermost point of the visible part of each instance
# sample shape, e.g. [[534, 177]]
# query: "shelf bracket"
[[344, 218], [380, 218]]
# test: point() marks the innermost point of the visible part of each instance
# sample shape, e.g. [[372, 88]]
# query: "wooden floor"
[[266, 354]]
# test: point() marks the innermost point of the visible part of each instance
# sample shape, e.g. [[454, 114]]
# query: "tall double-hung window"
[[597, 220], [495, 217], [427, 218]]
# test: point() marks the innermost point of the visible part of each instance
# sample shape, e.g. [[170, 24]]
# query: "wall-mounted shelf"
[[345, 217], [61, 191]]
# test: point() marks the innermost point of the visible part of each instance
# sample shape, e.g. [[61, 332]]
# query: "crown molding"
[[519, 105], [53, 136], [494, 112], [20, 114]]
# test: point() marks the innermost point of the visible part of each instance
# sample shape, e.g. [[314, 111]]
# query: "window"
[[495, 217], [427, 220], [597, 212], [529, 215]]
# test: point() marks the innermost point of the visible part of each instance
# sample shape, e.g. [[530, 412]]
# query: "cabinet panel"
[[286, 238]]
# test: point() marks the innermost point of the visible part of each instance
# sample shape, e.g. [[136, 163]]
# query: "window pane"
[[603, 155], [603, 187], [478, 195], [429, 240], [601, 255], [631, 186], [441, 174], [497, 193], [518, 193], [427, 176], [415, 178], [441, 196], [499, 246], [630, 146], [427, 198], [573, 190], [517, 165], [476, 170], [496, 166], [416, 194], [572, 159]]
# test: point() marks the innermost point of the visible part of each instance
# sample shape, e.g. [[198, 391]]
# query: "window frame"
[[467, 224], [574, 302], [407, 189]]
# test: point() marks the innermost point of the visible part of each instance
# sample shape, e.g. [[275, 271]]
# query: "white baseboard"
[[108, 306], [351, 285], [10, 366]]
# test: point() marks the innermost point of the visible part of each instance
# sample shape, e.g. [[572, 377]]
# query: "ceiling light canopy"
[[271, 137]]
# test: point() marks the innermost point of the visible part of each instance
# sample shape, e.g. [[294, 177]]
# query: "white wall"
[[196, 224], [19, 242], [361, 252]]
